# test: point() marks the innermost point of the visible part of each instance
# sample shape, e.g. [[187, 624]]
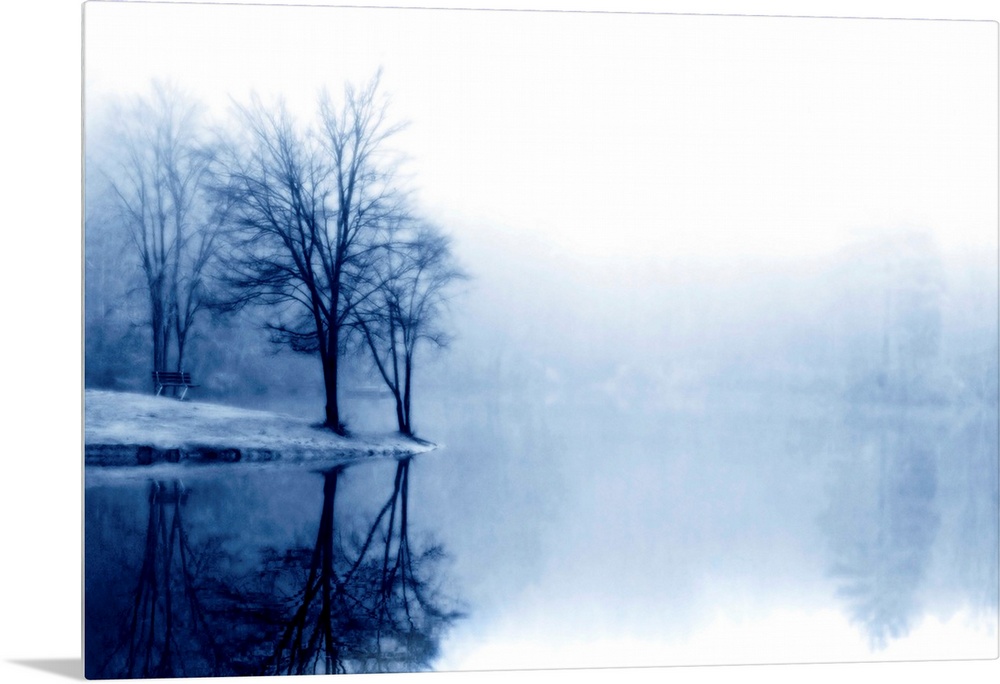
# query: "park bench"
[[175, 379]]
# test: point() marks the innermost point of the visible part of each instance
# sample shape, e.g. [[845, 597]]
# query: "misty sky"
[[552, 144], [603, 136]]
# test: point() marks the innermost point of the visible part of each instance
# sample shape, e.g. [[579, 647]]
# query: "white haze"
[[668, 136], [667, 219]]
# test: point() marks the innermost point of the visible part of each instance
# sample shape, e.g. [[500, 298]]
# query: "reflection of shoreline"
[[341, 606], [164, 633]]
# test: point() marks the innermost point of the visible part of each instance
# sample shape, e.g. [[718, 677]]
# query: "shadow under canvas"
[[71, 668]]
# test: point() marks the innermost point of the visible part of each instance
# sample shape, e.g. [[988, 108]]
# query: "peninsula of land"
[[128, 429]]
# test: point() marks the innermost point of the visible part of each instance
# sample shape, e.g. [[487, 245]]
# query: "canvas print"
[[451, 340]]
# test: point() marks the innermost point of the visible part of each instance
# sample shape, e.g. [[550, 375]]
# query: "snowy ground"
[[137, 429]]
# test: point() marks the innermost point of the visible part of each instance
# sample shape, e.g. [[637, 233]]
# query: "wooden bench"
[[164, 379]]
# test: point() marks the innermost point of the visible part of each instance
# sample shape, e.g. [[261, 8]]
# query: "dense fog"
[[887, 318], [718, 383], [688, 435]]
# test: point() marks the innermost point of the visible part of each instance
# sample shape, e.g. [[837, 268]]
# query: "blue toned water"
[[729, 527]]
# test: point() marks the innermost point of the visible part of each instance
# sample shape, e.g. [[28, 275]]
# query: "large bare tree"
[[159, 182], [307, 207]]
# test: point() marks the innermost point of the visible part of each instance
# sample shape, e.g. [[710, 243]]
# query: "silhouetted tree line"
[[307, 223]]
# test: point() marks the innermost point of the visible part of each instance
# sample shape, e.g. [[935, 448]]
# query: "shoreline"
[[128, 429]]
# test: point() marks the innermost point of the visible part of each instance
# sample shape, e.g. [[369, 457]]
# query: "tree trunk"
[[160, 333], [407, 372], [329, 356], [180, 351], [401, 420]]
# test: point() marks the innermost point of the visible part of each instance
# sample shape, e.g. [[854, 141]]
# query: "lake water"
[[728, 527]]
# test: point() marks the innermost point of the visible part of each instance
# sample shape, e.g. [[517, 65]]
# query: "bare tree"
[[307, 207], [159, 184], [415, 270]]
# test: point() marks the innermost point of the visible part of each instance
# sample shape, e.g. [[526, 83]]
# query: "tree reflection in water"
[[361, 601], [883, 521], [379, 612], [166, 633], [917, 480]]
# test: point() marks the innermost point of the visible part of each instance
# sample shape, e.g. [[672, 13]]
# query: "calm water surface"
[[724, 529]]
